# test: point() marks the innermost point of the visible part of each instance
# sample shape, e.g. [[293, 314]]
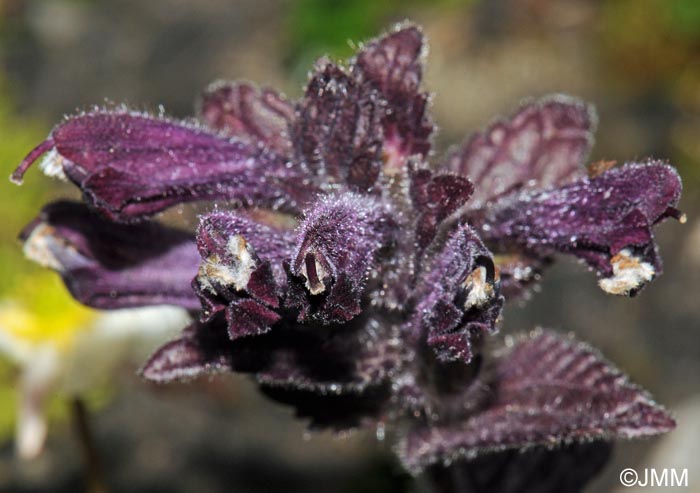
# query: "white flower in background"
[[62, 348]]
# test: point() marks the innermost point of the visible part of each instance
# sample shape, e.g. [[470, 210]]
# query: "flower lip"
[[458, 296], [238, 273], [336, 248]]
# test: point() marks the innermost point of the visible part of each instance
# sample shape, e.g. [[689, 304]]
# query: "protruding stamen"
[[52, 165], [235, 274], [39, 247], [479, 289], [629, 273], [314, 273]]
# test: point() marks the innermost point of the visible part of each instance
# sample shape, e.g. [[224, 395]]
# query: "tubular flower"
[[350, 277]]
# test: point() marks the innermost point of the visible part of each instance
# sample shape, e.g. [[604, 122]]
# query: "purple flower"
[[355, 281]]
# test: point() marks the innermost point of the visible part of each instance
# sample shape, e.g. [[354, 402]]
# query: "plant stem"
[[94, 479], [450, 479]]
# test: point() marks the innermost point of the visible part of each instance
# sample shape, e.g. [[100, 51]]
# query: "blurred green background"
[[638, 61]]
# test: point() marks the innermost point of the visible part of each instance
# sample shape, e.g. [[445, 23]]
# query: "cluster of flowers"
[[355, 281]]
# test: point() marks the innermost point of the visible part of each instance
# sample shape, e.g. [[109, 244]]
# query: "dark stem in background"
[[452, 479], [92, 466]]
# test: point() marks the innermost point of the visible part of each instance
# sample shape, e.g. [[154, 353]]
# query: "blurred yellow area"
[[39, 310], [35, 307]]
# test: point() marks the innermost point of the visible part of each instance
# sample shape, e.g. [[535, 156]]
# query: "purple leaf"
[[393, 65], [548, 390], [200, 350], [337, 360], [458, 296], [435, 197], [332, 411], [606, 221], [338, 132], [241, 110], [131, 165], [337, 245], [107, 265], [246, 317], [566, 469], [338, 376], [329, 360], [543, 145]]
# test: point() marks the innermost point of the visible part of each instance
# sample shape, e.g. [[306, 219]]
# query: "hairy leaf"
[[393, 64], [565, 469], [543, 145], [548, 390], [241, 110], [337, 133], [202, 349], [435, 197]]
